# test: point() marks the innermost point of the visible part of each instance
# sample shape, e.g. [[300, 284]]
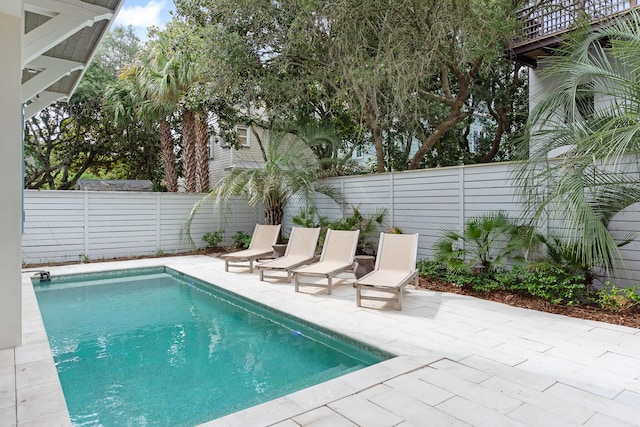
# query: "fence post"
[[461, 197], [85, 207], [392, 201], [158, 222]]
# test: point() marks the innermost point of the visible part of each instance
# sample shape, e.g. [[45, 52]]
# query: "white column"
[[10, 182]]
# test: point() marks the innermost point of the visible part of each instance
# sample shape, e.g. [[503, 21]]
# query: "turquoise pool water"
[[161, 349]]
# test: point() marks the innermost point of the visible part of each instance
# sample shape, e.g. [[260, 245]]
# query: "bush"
[[617, 300], [241, 240], [213, 239], [486, 244], [555, 284]]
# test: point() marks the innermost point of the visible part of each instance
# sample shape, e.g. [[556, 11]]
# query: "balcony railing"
[[553, 17]]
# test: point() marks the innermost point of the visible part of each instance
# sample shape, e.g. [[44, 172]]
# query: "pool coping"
[[35, 366]]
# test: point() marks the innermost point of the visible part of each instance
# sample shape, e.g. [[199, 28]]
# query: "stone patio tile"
[[622, 363], [477, 393], [8, 391], [7, 361], [535, 380], [630, 398], [321, 394], [34, 373], [599, 420], [418, 389], [264, 415], [33, 353], [40, 401], [286, 423], [475, 414], [597, 403], [313, 415], [414, 411], [58, 419], [556, 406], [460, 370], [537, 416], [364, 413], [602, 383], [468, 349], [8, 417]]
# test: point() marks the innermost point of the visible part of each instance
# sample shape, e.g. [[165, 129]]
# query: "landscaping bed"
[[630, 318]]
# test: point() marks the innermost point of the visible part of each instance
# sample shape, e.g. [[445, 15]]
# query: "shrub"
[[486, 243], [213, 239], [555, 284], [617, 300], [241, 240], [366, 224]]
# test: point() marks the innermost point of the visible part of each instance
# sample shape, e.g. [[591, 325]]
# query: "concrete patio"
[[461, 361]]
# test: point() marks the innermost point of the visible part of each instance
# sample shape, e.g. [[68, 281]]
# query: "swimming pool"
[[155, 347]]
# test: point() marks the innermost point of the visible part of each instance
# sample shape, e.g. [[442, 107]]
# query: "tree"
[[403, 68], [289, 172], [591, 118]]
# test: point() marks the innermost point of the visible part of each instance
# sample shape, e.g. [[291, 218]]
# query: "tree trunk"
[[168, 157], [372, 123], [189, 163], [202, 153]]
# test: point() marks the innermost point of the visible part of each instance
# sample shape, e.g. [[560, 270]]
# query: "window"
[[244, 136], [212, 139], [358, 153]]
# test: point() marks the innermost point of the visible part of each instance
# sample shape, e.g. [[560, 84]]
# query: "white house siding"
[[67, 226]]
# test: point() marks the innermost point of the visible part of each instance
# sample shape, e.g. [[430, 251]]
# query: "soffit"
[[59, 41]]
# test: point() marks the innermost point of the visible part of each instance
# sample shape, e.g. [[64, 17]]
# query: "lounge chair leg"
[[297, 287], [262, 274], [400, 299], [358, 302], [250, 266], [226, 265], [329, 291]]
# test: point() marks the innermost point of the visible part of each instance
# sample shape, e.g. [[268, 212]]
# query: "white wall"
[[10, 176], [70, 226]]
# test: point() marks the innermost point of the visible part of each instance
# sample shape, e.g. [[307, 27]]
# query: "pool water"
[[162, 349]]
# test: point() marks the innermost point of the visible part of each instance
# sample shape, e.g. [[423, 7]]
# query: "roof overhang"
[[60, 39]]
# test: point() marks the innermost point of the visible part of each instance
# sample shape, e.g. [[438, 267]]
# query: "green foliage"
[[617, 300], [586, 181], [310, 218], [555, 284], [241, 240], [213, 239], [487, 242], [367, 224]]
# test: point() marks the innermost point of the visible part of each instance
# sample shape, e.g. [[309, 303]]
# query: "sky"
[[144, 13]]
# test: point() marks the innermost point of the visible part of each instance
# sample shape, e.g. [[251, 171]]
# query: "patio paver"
[[461, 361]]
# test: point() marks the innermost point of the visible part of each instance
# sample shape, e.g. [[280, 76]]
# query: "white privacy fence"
[[62, 226], [427, 201], [73, 225]]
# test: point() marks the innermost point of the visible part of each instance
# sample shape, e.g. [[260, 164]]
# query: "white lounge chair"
[[337, 256], [261, 246], [395, 267], [301, 250]]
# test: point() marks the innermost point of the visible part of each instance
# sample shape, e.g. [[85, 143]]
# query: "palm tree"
[[202, 152], [289, 171], [168, 74], [591, 118]]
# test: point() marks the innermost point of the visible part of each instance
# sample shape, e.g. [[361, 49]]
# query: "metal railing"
[[548, 18]]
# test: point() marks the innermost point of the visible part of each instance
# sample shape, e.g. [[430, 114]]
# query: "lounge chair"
[[261, 246], [337, 256], [395, 267], [300, 250]]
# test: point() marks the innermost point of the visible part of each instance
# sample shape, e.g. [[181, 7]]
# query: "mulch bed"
[[630, 318]]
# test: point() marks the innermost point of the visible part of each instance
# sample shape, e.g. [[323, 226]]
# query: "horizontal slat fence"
[[65, 226], [70, 225], [429, 201]]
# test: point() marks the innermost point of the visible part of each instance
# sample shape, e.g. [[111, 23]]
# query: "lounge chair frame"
[[261, 247], [301, 250], [337, 257], [379, 280]]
